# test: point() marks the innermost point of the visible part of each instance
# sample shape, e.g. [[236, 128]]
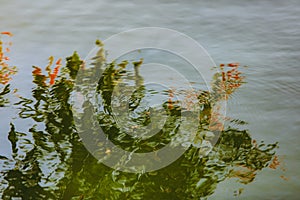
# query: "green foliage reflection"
[[50, 161]]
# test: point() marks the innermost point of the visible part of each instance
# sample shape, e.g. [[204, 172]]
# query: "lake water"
[[263, 35]]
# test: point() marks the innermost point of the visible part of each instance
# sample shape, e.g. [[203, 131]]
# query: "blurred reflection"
[[50, 161], [6, 71]]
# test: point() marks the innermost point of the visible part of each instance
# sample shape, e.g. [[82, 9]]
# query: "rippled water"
[[263, 35]]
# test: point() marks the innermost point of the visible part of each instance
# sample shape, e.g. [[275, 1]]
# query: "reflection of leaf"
[[5, 90], [40, 139], [238, 121], [275, 163], [12, 137], [39, 78], [3, 158], [73, 64], [106, 85], [244, 174], [3, 100], [136, 98]]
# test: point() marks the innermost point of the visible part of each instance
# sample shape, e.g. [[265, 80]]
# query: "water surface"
[[260, 34]]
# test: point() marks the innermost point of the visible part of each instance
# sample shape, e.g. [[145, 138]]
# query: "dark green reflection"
[[49, 161], [3, 99]]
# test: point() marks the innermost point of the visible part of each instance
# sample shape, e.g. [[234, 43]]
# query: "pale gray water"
[[261, 34]]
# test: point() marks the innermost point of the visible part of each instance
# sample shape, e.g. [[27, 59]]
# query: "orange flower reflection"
[[6, 71], [51, 75], [7, 33]]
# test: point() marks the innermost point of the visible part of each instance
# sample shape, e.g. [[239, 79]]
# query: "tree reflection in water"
[[50, 161]]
